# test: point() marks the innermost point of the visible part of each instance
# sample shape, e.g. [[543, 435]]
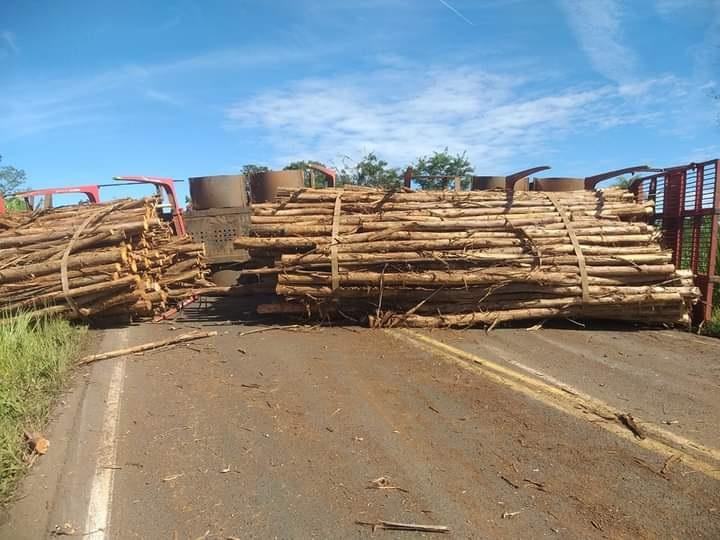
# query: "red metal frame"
[[92, 192], [168, 186], [514, 178], [687, 210], [407, 177], [591, 182], [330, 173]]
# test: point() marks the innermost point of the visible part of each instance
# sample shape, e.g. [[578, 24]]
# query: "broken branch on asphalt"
[[384, 483], [396, 526], [258, 330], [146, 347]]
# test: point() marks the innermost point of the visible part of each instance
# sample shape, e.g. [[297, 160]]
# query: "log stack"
[[435, 259], [94, 261]]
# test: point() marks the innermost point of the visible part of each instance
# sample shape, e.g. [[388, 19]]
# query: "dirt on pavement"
[[279, 434]]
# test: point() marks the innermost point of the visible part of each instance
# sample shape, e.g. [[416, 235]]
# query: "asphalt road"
[[279, 434]]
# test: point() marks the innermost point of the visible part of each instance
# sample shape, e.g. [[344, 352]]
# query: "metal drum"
[[264, 185], [558, 183], [222, 191], [493, 182]]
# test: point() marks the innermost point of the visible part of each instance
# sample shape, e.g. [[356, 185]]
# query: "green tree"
[[250, 169], [623, 182], [11, 179], [442, 164], [375, 172]]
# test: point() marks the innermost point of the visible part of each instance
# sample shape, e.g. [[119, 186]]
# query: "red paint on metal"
[[92, 192], [407, 177], [168, 186], [512, 179], [687, 211], [330, 173], [592, 181]]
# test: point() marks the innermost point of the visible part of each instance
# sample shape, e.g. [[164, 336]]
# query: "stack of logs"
[[93, 261], [434, 259]]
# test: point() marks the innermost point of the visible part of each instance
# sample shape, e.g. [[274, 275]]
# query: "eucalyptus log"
[[459, 258], [120, 257]]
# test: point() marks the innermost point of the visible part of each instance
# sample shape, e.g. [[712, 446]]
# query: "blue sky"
[[92, 89]]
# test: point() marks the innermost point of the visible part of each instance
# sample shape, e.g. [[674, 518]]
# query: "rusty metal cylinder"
[[222, 191], [480, 183], [558, 183], [264, 185]]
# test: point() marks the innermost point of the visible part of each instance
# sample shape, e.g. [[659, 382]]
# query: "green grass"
[[35, 357], [712, 327]]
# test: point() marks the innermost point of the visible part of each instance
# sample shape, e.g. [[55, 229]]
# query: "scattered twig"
[[669, 461], [510, 482], [509, 515], [67, 529], [146, 347], [258, 330], [395, 526], [537, 485], [384, 483]]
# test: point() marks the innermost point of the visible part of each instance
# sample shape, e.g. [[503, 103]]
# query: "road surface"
[[280, 433]]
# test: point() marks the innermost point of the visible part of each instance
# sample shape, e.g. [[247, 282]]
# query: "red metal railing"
[[687, 210]]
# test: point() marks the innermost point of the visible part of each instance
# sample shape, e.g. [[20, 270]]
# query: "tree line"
[[369, 171], [441, 167]]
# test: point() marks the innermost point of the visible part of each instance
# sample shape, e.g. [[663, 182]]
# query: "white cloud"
[[162, 97], [707, 52], [40, 105], [597, 28], [494, 117]]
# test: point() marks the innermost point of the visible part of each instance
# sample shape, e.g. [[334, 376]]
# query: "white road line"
[[101, 489]]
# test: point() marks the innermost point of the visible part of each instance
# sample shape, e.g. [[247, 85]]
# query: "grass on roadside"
[[712, 326], [35, 356]]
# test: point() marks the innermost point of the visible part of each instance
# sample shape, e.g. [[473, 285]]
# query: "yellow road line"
[[572, 402]]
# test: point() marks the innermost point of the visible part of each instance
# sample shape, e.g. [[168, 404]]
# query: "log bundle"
[[435, 259], [92, 261]]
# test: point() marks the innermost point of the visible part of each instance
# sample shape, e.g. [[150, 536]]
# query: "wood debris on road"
[[396, 526], [268, 329], [147, 346], [384, 483]]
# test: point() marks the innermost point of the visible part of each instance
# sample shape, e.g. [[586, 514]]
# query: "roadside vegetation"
[[35, 357], [712, 327]]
